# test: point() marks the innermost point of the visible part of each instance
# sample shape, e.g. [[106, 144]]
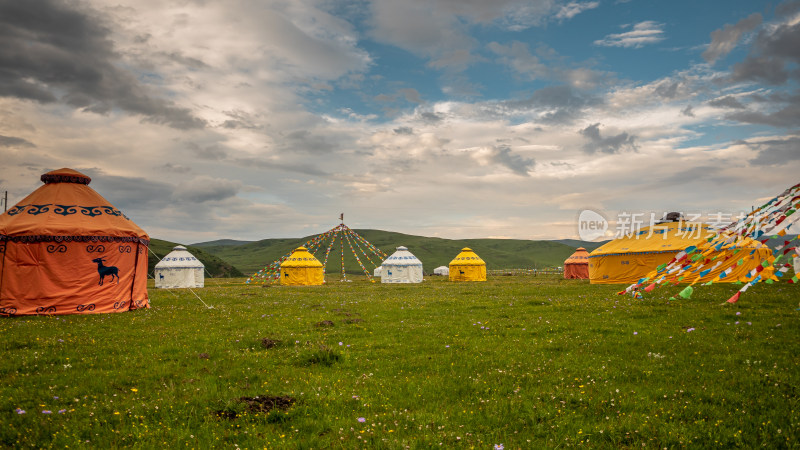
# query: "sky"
[[205, 120]]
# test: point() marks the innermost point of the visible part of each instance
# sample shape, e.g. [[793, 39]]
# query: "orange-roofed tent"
[[66, 250], [302, 269], [467, 266], [630, 258], [577, 265]]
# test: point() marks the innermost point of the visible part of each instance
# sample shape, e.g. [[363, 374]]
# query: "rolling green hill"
[[433, 252], [214, 265]]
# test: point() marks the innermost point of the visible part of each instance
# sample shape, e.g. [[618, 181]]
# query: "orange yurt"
[[64, 249], [577, 265]]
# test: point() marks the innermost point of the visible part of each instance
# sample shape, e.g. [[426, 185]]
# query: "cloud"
[[519, 165], [773, 57], [308, 142], [643, 33], [517, 57], [54, 52], [10, 141], [212, 152], [175, 168], [776, 152], [431, 117], [206, 189], [555, 104], [440, 29], [728, 101], [572, 9], [724, 40], [610, 144], [787, 117], [688, 111]]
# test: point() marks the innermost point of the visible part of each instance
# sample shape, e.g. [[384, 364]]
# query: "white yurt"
[[401, 267], [377, 272], [179, 269], [442, 270]]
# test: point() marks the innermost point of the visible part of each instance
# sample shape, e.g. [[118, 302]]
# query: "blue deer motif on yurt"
[[105, 270]]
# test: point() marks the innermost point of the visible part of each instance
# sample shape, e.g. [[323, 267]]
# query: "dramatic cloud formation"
[[246, 120], [53, 53]]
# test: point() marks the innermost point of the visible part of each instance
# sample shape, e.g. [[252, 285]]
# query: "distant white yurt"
[[401, 267], [179, 269], [442, 270], [377, 272]]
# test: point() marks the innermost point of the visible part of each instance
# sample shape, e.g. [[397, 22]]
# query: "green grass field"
[[527, 362]]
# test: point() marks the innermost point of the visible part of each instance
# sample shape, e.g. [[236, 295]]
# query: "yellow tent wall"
[[627, 259], [302, 269], [467, 266]]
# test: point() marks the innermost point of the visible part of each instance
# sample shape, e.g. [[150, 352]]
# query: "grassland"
[[527, 362], [433, 252]]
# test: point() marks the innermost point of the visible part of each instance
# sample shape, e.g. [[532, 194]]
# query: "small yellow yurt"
[[629, 258], [302, 269], [467, 266]]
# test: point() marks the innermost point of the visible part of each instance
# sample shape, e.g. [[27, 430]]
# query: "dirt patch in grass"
[[269, 342], [324, 323], [353, 320], [204, 356], [258, 404], [266, 403]]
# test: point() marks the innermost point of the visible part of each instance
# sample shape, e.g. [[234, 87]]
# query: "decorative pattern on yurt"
[[67, 250]]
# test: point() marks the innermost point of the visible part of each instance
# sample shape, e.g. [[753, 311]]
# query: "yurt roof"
[[301, 258], [467, 258], [179, 258], [65, 207], [402, 257], [581, 256], [665, 237]]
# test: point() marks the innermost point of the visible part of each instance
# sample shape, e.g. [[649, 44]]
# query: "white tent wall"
[[401, 267], [179, 269], [401, 274], [442, 270], [377, 272]]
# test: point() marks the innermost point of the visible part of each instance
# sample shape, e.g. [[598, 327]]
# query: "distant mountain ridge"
[[575, 243], [252, 256], [221, 242]]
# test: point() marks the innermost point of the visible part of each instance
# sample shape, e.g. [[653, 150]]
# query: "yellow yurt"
[[630, 258], [302, 269], [467, 266]]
